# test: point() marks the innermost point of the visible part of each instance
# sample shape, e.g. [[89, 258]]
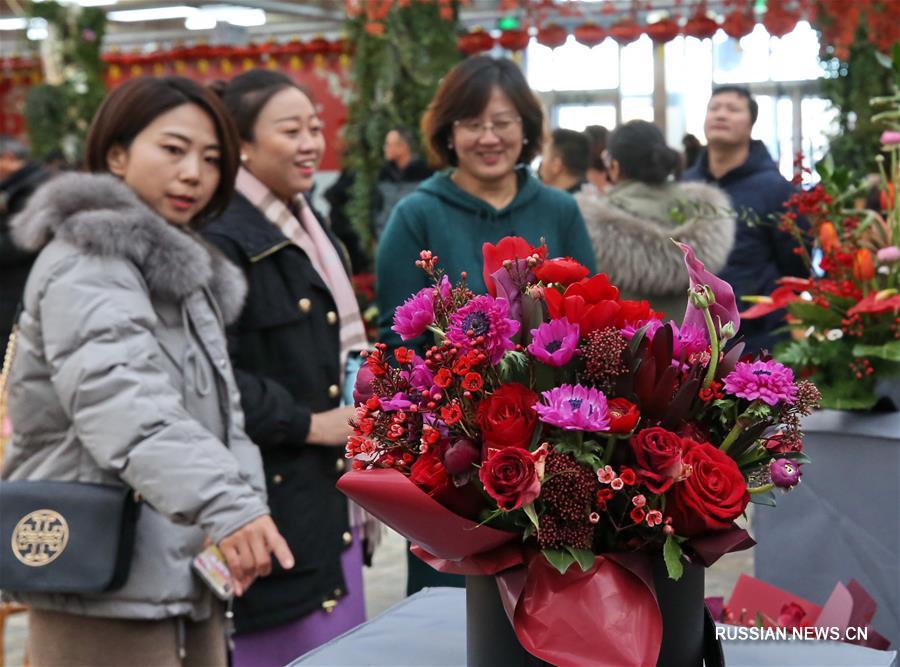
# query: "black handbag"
[[65, 537], [62, 537]]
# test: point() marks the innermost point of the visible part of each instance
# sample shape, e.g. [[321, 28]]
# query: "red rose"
[[623, 415], [510, 476], [592, 304], [712, 497], [563, 270], [507, 248], [659, 457], [506, 417], [429, 473]]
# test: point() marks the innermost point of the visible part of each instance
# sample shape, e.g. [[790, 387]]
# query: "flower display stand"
[[843, 521]]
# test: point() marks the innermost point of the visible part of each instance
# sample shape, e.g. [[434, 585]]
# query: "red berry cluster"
[[603, 353]]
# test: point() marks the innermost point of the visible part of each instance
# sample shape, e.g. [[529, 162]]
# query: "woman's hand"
[[331, 427], [247, 552]]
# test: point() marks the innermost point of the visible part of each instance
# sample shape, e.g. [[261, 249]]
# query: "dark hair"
[[598, 136], [464, 93], [131, 107], [742, 91], [642, 153], [246, 95], [574, 149], [692, 150], [407, 135]]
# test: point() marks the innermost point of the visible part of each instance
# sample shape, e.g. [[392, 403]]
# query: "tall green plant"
[[395, 75], [851, 83], [59, 112]]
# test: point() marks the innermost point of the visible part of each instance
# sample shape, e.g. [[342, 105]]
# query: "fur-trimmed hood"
[[631, 228], [101, 215]]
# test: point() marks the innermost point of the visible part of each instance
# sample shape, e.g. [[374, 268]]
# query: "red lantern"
[[552, 35], [514, 40], [474, 42], [590, 34], [318, 46], [700, 26], [625, 31], [738, 24], [780, 22], [662, 31]]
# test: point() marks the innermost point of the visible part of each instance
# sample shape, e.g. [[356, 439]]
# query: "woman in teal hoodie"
[[483, 127]]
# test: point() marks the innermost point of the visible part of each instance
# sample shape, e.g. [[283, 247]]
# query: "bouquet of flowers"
[[575, 428], [845, 317]]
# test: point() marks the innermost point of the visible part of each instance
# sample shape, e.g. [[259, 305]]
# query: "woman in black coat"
[[289, 349]]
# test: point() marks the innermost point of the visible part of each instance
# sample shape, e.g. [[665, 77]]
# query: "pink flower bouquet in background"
[[574, 428]]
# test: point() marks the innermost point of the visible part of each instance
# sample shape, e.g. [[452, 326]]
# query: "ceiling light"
[[207, 16], [37, 30], [152, 14], [13, 24]]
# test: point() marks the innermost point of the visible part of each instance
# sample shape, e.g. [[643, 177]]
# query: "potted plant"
[[847, 340]]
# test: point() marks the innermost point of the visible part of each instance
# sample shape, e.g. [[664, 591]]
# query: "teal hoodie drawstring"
[[202, 380]]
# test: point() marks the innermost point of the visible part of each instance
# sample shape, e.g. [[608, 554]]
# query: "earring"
[[243, 157], [525, 141], [450, 145]]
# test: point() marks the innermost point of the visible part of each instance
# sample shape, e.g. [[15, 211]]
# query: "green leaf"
[[672, 555], [767, 498], [811, 314], [513, 365], [532, 515], [559, 559], [799, 458], [889, 351], [584, 557]]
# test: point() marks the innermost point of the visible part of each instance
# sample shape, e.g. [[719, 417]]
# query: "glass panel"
[[744, 60], [688, 63], [637, 108], [794, 57], [573, 66], [785, 159], [819, 121], [577, 116], [637, 67]]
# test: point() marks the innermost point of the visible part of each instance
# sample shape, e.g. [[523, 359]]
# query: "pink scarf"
[[306, 233]]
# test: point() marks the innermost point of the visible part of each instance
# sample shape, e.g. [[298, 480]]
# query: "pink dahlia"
[[412, 318], [484, 324], [574, 408], [689, 339], [554, 342], [768, 381]]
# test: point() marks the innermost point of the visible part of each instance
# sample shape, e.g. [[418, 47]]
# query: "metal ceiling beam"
[[303, 9]]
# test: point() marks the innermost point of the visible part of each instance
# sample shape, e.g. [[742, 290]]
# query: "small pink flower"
[[617, 484], [606, 475], [654, 518], [594, 517], [890, 138], [889, 255], [639, 500]]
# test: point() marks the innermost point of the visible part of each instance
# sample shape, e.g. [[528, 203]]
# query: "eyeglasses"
[[501, 127]]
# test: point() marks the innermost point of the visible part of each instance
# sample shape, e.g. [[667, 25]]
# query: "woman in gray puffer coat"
[[631, 226], [122, 376]]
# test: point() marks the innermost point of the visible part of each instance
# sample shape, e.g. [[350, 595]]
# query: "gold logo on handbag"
[[40, 537]]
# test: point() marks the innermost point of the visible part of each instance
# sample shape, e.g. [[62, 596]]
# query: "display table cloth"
[[429, 630]]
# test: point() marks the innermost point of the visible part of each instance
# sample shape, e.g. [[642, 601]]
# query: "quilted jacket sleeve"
[[98, 323]]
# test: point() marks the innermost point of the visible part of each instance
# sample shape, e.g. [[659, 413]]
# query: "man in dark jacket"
[[744, 169], [565, 160], [401, 175], [18, 179]]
